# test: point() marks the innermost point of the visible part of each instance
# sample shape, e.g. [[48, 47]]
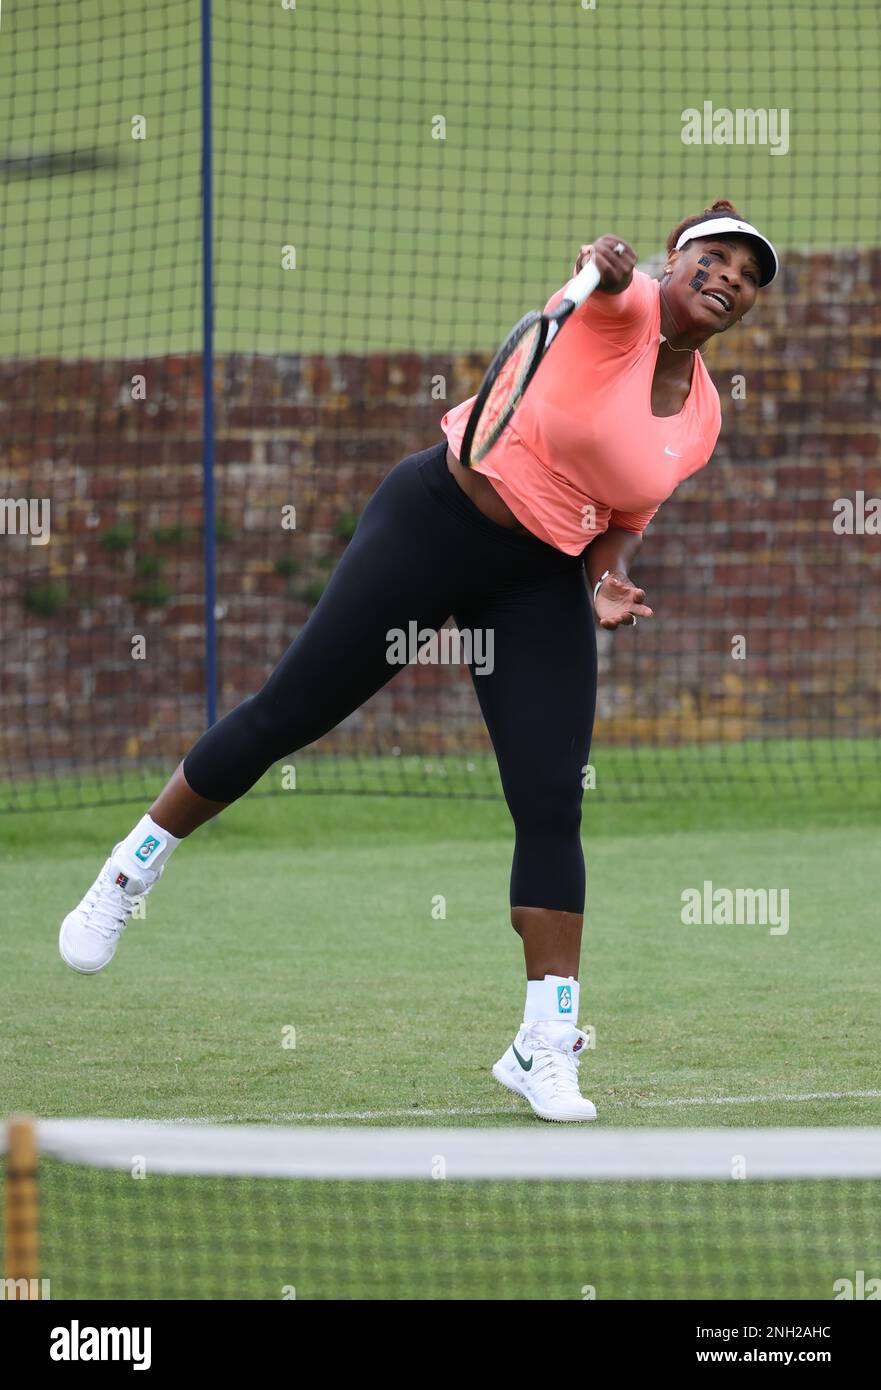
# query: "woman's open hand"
[[619, 602]]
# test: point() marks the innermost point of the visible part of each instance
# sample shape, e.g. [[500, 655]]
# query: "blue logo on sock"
[[564, 999], [149, 846]]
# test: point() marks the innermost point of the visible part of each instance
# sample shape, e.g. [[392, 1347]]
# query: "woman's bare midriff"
[[481, 492]]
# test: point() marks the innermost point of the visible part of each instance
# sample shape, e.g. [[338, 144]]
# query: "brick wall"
[[746, 547]]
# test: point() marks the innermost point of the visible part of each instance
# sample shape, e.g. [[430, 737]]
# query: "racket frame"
[[491, 376], [574, 294]]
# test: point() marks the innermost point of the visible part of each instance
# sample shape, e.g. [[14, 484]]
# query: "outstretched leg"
[[405, 564]]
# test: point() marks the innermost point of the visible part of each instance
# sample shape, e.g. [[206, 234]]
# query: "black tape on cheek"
[[704, 260], [697, 282]]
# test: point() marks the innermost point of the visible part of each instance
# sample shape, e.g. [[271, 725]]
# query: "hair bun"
[[723, 205]]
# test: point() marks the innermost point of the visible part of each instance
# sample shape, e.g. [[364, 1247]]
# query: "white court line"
[[288, 1117], [755, 1100]]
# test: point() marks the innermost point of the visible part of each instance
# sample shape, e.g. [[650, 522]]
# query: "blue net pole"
[[208, 379]]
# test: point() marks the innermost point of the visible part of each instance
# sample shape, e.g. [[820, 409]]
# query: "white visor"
[[718, 225]]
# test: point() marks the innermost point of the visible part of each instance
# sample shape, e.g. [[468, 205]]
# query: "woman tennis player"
[[620, 411]]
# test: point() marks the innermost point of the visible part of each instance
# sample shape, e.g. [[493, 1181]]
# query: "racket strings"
[[507, 388]]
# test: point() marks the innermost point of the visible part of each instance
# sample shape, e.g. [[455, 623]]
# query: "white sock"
[[146, 847], [553, 998]]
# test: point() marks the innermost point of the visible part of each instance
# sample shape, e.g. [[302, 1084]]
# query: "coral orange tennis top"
[[584, 451]]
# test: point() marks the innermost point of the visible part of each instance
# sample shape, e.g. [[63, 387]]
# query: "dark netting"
[[394, 185], [108, 1235]]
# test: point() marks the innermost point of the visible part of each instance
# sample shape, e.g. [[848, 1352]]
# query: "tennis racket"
[[515, 364]]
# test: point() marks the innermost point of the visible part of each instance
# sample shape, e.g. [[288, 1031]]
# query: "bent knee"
[[551, 806]]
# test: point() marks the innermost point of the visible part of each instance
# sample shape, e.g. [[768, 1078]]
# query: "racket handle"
[[583, 284]]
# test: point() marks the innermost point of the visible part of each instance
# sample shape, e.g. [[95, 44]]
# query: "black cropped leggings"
[[423, 551]]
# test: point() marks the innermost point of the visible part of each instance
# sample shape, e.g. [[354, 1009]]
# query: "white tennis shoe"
[[542, 1066], [90, 934]]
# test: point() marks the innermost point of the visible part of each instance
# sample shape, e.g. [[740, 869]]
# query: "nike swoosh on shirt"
[[668, 450], [527, 1066]]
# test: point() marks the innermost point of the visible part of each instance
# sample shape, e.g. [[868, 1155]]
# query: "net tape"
[[539, 1153]]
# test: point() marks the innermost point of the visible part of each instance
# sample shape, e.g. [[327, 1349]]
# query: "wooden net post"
[[21, 1209]]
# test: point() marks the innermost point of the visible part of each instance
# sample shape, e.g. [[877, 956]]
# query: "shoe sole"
[[505, 1079]]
